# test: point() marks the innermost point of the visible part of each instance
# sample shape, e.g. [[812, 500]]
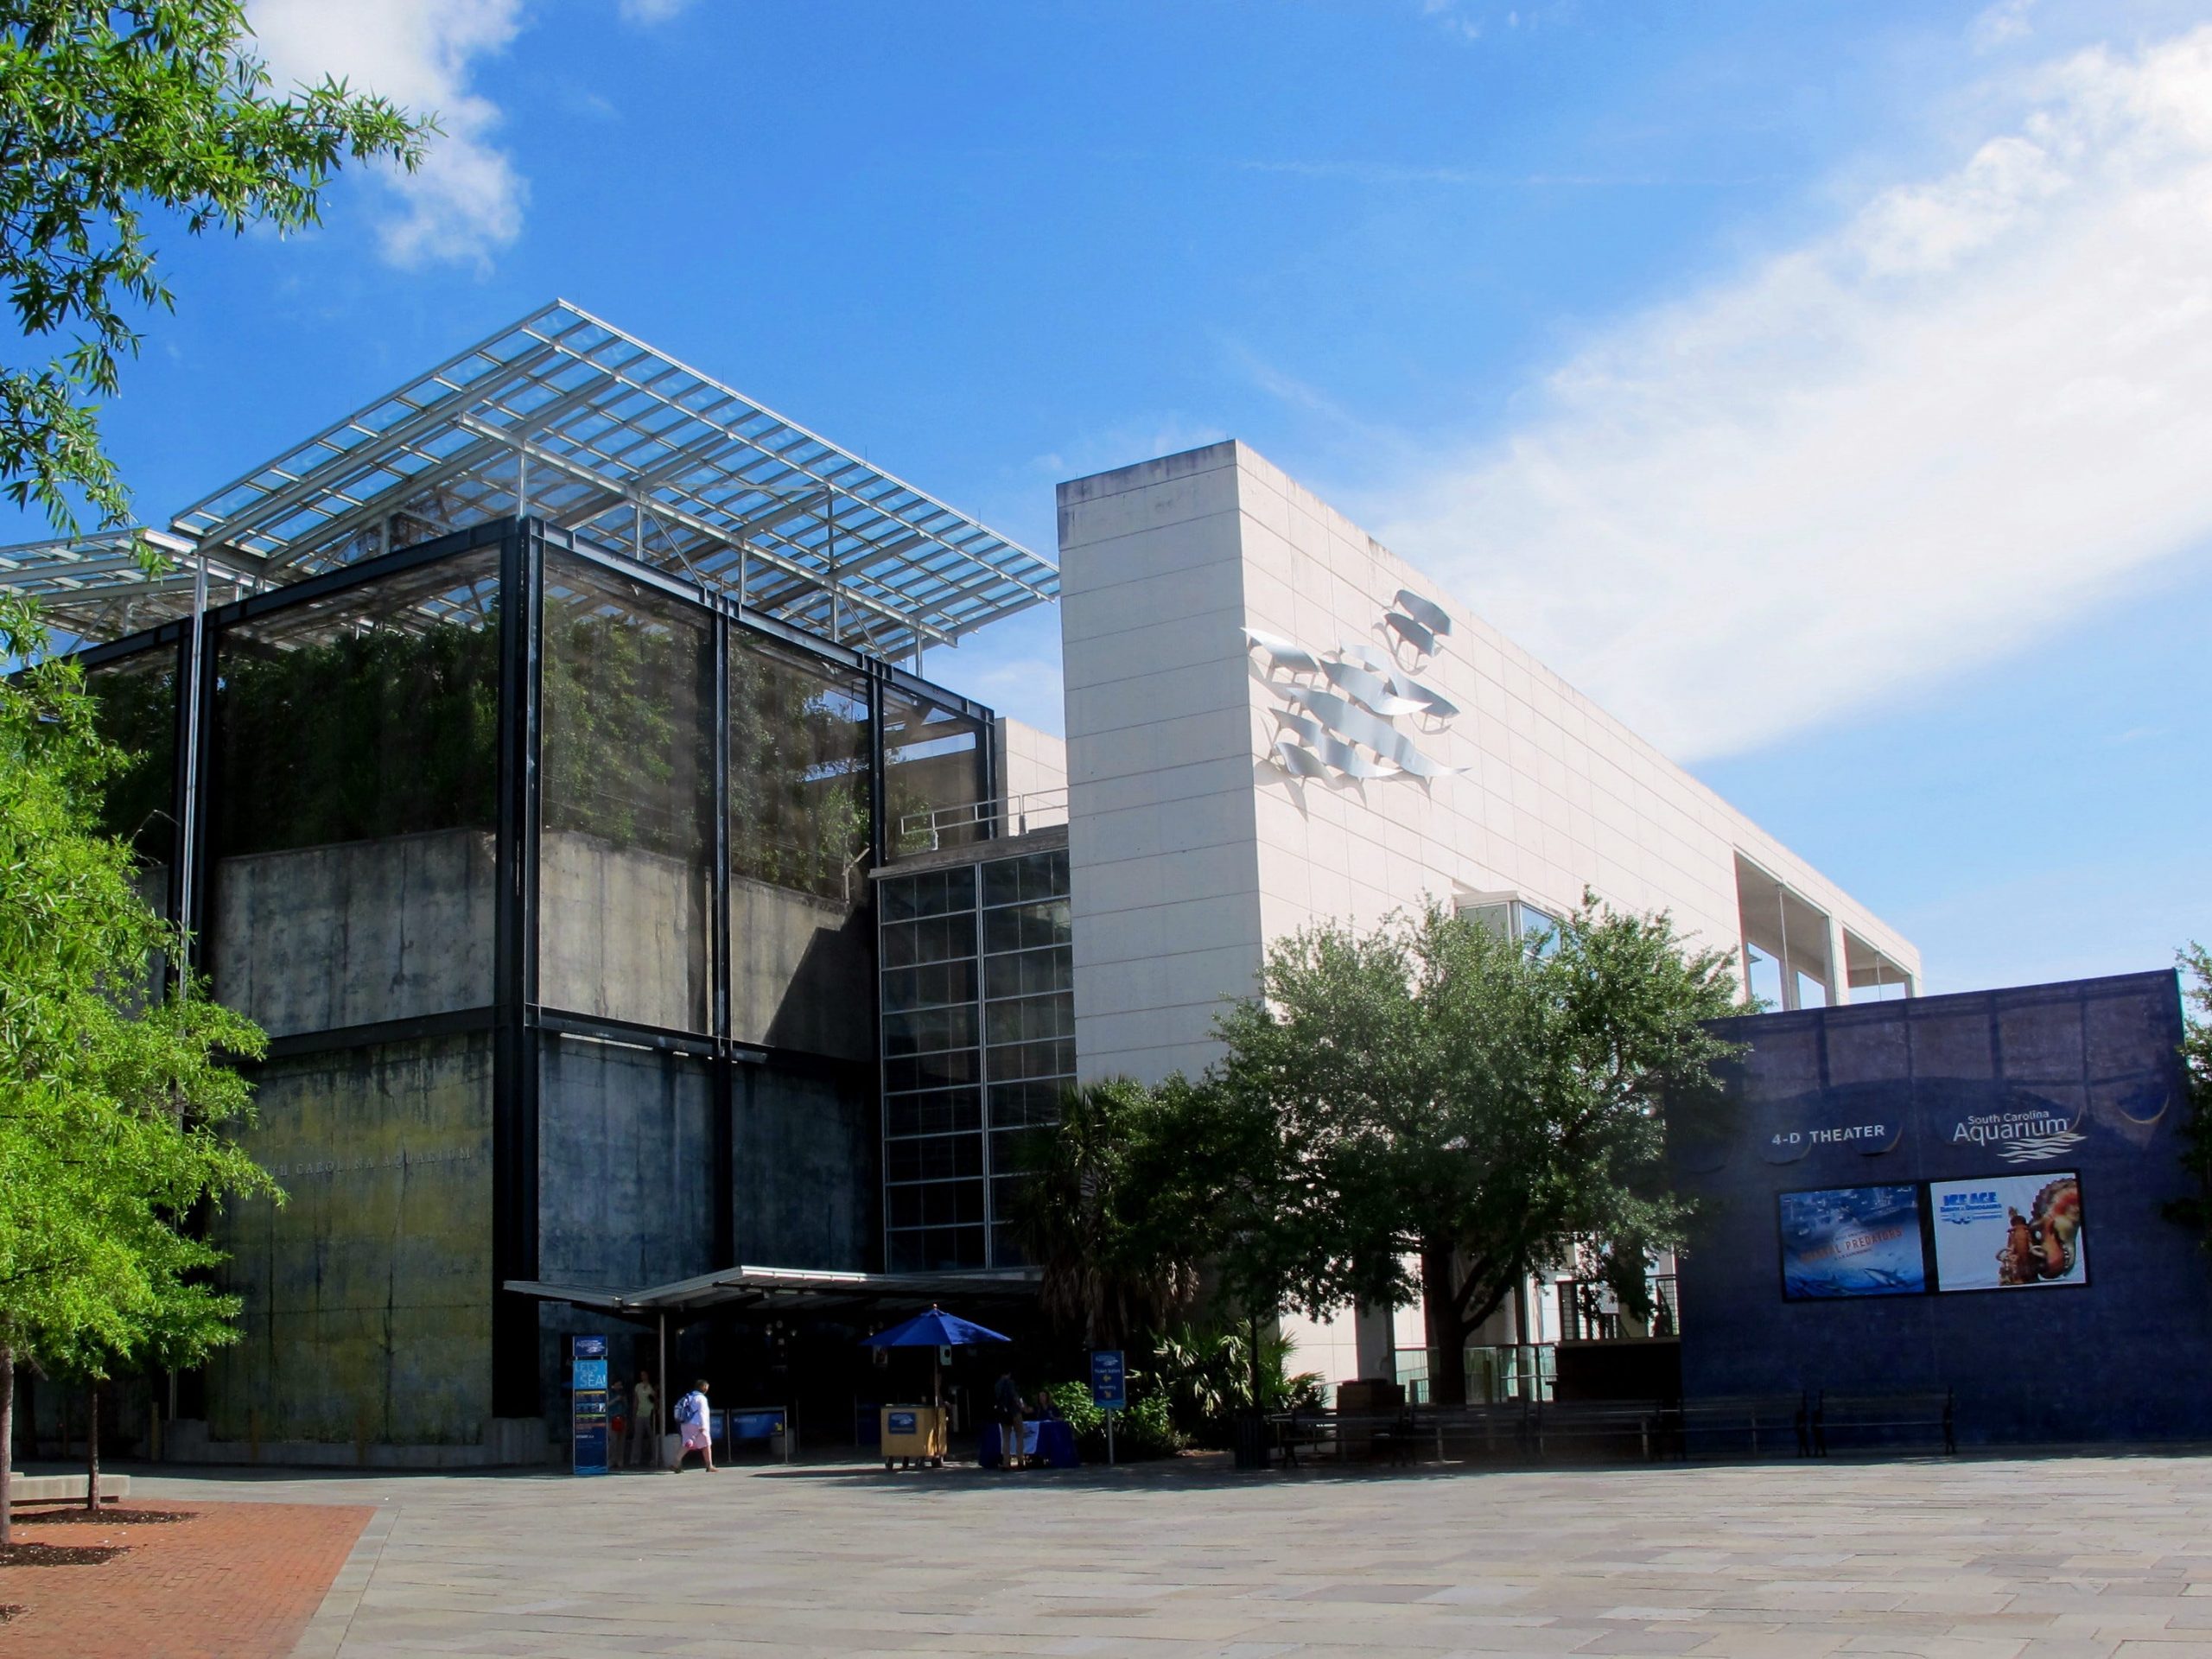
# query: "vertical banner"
[[1109, 1384], [587, 1410]]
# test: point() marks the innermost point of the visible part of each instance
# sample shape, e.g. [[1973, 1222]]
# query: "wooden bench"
[[1595, 1420], [1769, 1421], [1884, 1414]]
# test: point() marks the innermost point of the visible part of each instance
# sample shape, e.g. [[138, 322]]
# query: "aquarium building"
[[546, 755]]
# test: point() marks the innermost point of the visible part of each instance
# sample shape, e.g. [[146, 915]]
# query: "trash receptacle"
[[913, 1434], [1251, 1442]]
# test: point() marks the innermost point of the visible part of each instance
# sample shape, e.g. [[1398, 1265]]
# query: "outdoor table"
[[1051, 1439]]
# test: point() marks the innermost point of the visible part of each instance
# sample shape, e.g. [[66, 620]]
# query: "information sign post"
[[587, 1408], [1108, 1389]]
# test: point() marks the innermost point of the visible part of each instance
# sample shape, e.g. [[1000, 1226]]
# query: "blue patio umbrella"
[[933, 1329]]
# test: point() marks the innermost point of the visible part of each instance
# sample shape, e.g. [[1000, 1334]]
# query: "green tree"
[[116, 1097], [2195, 1211], [1103, 1212], [1480, 1107], [107, 112]]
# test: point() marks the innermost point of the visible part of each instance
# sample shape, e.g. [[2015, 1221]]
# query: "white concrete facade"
[[1192, 846]]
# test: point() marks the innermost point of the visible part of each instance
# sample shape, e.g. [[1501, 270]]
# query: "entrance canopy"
[[565, 417], [794, 1290]]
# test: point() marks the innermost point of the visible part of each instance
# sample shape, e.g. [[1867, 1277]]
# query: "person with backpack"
[[696, 1428]]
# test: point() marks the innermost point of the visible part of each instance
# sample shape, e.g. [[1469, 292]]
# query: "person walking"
[[696, 1428], [1005, 1400], [618, 1421], [645, 1422]]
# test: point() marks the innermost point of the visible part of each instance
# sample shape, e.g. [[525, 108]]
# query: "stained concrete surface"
[[2053, 1557]]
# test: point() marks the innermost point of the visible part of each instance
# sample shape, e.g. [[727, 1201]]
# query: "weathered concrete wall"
[[367, 1296], [319, 938], [625, 1187], [806, 1180], [625, 1166], [803, 972], [622, 932]]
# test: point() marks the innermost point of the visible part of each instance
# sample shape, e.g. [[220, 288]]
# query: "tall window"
[[978, 1043]]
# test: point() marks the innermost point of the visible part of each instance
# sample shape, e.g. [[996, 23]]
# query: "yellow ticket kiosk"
[[913, 1435]]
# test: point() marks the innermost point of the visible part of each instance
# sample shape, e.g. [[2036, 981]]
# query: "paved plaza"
[[1976, 1558]]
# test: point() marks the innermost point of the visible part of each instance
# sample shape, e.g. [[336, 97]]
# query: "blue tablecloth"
[[1052, 1440]]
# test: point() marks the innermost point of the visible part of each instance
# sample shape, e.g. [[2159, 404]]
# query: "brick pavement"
[[1976, 1558], [237, 1581]]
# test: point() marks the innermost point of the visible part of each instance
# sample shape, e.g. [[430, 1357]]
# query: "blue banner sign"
[[1108, 1382], [587, 1397]]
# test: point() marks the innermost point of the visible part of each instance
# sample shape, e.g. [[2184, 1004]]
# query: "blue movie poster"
[[1852, 1241]]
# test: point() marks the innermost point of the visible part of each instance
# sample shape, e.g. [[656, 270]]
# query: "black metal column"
[[514, 1077], [725, 1102]]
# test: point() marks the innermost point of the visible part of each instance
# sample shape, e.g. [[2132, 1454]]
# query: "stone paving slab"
[[2055, 1558]]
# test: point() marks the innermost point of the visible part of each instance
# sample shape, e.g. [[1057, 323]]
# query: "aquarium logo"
[[2030, 1137]]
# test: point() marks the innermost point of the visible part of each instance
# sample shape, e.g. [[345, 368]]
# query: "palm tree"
[[1097, 1215]]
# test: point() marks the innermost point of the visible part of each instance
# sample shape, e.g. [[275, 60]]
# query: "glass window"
[[1031, 876], [935, 938], [930, 986], [933, 1157], [924, 1030], [932, 776], [1024, 927], [798, 761], [352, 791], [1028, 973], [930, 893], [1024, 1103], [1019, 1061], [134, 706], [936, 1249], [944, 1071], [940, 1112], [627, 792], [1030, 1019]]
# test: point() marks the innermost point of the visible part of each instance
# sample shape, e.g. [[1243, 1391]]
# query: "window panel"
[[1024, 927], [936, 1113], [1018, 1060], [1033, 1018], [945, 1070], [933, 1158], [1029, 973], [932, 775], [628, 797], [927, 1031], [929, 987], [1014, 1105]]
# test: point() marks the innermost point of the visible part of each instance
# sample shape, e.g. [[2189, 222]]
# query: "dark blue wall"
[[2123, 1357]]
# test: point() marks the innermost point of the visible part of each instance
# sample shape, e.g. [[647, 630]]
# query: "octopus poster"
[[1852, 1241], [2005, 1232]]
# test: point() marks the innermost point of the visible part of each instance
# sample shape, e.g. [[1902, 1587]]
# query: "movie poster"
[[1852, 1241], [2004, 1232]]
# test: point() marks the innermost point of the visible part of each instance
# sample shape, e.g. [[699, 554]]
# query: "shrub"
[[1147, 1428]]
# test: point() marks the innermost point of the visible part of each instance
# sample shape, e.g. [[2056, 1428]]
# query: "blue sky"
[[1820, 386]]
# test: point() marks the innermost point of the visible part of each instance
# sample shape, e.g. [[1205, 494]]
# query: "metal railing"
[[1013, 815], [1590, 1310]]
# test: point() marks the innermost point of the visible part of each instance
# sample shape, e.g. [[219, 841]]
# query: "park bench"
[[1595, 1421], [1767, 1421], [1884, 1417]]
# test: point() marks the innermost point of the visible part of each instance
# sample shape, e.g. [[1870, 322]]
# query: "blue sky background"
[[1472, 272]]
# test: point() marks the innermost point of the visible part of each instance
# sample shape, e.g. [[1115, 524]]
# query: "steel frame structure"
[[563, 417], [516, 1019]]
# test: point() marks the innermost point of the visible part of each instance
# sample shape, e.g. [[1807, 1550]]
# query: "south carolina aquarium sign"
[[2029, 1134]]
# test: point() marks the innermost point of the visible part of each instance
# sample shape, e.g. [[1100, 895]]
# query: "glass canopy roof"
[[566, 417]]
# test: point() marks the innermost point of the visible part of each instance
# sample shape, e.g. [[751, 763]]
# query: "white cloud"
[[466, 202], [1921, 440], [652, 12], [2002, 23]]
